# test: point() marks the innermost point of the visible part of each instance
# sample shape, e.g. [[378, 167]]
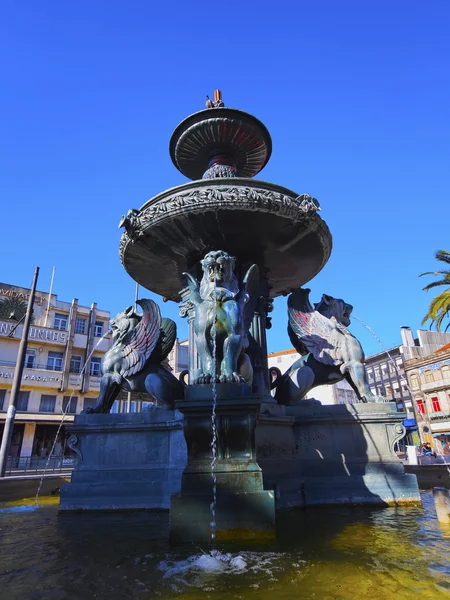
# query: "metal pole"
[[15, 389], [49, 297], [136, 296]]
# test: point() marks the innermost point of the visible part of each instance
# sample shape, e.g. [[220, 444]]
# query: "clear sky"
[[356, 95]]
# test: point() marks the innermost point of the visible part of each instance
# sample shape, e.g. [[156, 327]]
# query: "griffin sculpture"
[[223, 315], [133, 363], [330, 353]]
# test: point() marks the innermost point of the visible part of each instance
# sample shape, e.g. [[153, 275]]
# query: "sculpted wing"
[[249, 295], [312, 331], [194, 288], [141, 341], [167, 338]]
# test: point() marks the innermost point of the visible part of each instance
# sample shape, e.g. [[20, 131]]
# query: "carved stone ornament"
[[72, 444]]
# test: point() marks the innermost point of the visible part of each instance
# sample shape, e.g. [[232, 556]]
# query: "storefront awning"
[[410, 424]]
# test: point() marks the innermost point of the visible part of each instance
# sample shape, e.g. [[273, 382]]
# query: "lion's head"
[[335, 307], [123, 322], [218, 266]]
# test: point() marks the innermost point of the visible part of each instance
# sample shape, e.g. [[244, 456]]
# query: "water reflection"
[[319, 553]]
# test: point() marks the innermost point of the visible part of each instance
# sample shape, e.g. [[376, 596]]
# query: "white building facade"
[[62, 366], [338, 393]]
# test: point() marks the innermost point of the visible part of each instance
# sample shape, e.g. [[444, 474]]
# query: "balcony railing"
[[34, 465], [441, 414], [39, 367], [434, 385]]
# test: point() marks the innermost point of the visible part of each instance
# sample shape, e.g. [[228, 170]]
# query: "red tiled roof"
[[443, 349], [281, 352]]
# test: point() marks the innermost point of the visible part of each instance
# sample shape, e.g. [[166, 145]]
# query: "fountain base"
[[239, 516], [313, 454], [244, 510], [128, 461]]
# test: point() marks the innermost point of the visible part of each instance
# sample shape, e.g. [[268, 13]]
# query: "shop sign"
[[442, 425], [20, 294], [35, 333], [27, 377]]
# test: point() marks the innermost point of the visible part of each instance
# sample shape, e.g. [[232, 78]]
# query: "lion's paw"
[[231, 378], [203, 378]]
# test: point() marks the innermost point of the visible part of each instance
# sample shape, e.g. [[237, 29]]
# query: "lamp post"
[[10, 415]]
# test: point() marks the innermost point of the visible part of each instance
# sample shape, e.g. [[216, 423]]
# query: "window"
[[421, 406], [80, 325], [377, 373], [30, 358], [370, 374], [60, 322], [384, 371], [89, 403], [445, 372], [429, 376], [414, 382], [95, 366], [2, 400], [75, 363], [69, 405], [392, 370], [115, 407], [98, 328], [55, 361], [47, 404], [436, 404], [350, 397], [22, 401]]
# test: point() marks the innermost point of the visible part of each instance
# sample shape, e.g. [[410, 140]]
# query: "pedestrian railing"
[[29, 465]]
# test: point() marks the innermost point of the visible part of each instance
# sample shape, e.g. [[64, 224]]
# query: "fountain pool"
[[338, 553]]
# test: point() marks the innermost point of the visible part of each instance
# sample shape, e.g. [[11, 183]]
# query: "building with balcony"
[[62, 366], [386, 375], [427, 367]]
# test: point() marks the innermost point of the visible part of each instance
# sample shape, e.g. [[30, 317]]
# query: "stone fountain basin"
[[255, 221]]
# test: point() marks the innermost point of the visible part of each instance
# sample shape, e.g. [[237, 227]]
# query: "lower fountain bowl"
[[255, 221]]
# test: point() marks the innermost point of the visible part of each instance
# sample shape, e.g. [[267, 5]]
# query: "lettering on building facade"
[[20, 294], [10, 375], [36, 333]]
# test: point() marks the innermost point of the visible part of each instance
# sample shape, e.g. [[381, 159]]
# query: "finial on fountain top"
[[217, 102], [220, 142]]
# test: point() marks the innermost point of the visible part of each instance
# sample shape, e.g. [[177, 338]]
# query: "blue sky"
[[356, 96]]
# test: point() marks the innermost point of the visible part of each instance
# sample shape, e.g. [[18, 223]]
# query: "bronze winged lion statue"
[[329, 352], [141, 343], [223, 315]]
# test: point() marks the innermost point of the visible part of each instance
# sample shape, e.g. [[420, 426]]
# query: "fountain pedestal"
[[127, 461], [244, 510]]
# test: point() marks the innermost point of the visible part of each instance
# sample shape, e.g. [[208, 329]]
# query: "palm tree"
[[440, 305]]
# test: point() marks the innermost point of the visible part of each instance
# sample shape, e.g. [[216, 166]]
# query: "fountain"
[[224, 245]]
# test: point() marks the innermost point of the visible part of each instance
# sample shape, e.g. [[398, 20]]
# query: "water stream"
[[64, 414], [213, 414]]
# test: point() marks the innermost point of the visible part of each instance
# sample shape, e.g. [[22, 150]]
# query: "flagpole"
[[18, 372]]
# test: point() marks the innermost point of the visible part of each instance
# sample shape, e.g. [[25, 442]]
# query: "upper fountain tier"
[[224, 209], [219, 142]]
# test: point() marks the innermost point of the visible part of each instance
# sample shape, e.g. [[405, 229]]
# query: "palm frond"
[[436, 283], [443, 255], [438, 310], [444, 272]]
